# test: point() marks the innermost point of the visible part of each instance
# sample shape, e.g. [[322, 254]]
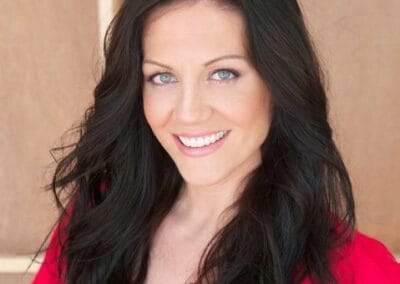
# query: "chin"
[[202, 177]]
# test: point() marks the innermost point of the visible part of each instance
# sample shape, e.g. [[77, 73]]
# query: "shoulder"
[[52, 265], [364, 260], [49, 270]]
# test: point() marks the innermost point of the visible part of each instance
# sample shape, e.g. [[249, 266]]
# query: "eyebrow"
[[229, 56]]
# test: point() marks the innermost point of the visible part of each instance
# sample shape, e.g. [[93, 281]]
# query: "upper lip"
[[198, 134]]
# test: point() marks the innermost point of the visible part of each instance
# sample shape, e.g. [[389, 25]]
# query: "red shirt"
[[366, 261]]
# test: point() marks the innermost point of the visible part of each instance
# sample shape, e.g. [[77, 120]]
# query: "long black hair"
[[296, 207]]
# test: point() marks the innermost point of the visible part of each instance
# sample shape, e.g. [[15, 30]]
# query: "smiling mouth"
[[201, 141]]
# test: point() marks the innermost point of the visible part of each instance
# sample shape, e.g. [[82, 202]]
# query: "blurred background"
[[50, 61]]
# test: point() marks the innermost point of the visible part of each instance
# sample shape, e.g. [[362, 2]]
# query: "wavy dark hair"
[[297, 205]]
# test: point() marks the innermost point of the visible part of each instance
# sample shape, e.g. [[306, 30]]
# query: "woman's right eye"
[[162, 78]]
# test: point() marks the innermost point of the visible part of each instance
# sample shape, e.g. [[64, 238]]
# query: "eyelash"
[[235, 73]]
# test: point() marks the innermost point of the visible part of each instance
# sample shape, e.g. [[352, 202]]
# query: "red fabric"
[[366, 261], [48, 272]]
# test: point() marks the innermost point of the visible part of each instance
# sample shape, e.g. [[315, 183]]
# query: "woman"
[[207, 157]]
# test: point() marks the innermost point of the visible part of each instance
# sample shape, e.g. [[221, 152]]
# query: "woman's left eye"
[[224, 75]]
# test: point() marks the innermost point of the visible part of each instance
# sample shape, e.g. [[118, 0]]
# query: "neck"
[[197, 204], [206, 206]]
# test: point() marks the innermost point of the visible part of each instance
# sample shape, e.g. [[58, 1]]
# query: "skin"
[[184, 90]]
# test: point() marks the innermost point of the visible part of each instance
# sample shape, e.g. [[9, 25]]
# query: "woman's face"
[[199, 84]]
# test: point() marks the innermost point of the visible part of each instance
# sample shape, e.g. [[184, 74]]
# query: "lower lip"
[[200, 151]]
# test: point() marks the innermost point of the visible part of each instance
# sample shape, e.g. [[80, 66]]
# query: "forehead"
[[203, 26]]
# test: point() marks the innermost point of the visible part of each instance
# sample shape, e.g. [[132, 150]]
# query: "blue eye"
[[162, 78], [224, 75]]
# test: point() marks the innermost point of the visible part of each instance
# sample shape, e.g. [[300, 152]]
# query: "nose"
[[192, 106]]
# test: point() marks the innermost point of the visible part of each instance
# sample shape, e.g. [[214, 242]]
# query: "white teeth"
[[202, 141], [213, 138]]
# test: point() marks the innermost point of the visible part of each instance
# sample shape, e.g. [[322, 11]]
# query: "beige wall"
[[48, 56], [48, 65], [359, 42]]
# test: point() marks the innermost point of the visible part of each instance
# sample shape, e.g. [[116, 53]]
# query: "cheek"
[[250, 105], [156, 108]]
